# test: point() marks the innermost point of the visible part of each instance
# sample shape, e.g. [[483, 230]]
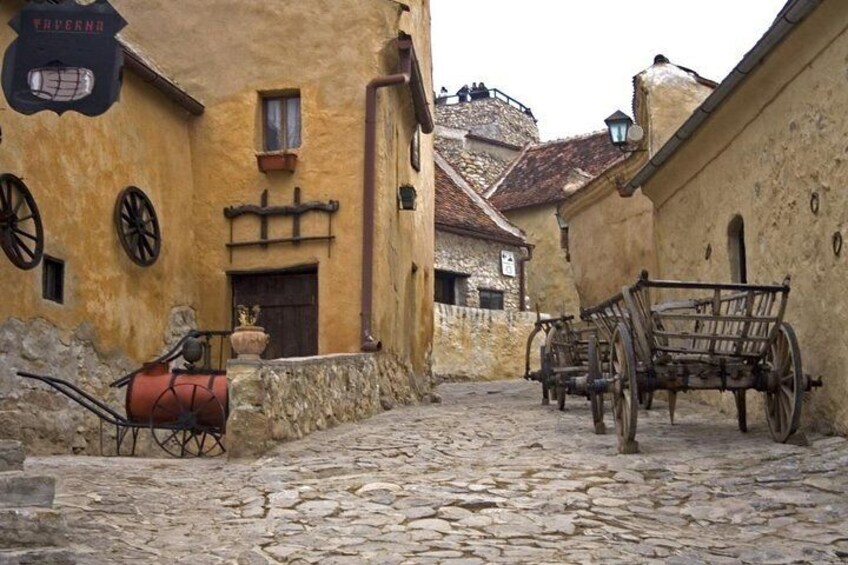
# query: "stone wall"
[[490, 118], [286, 399], [44, 420], [481, 260], [41, 418], [766, 151], [478, 166], [475, 344]]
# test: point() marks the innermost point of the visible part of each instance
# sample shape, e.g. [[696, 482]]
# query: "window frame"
[[53, 282], [493, 293], [283, 143]]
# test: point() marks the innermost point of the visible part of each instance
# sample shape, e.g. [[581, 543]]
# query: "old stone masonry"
[[487, 476]]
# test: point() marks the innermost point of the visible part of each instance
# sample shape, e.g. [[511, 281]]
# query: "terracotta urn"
[[249, 341]]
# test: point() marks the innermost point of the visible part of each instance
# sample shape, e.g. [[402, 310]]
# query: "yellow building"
[[611, 239], [752, 188], [316, 107]]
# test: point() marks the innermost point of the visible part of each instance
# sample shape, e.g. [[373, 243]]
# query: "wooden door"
[[289, 303]]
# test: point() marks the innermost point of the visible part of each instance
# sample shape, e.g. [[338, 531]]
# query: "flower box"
[[276, 161]]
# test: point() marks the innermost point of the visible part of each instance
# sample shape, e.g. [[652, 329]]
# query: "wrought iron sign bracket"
[[295, 210]]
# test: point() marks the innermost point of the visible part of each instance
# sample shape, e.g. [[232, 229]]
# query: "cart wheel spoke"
[[625, 391], [596, 397], [784, 397]]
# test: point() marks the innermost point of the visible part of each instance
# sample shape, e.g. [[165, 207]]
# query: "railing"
[[484, 94]]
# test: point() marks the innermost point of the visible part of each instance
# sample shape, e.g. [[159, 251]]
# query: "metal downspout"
[[522, 282], [369, 343]]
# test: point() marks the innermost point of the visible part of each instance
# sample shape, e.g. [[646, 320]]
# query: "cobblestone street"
[[487, 476]]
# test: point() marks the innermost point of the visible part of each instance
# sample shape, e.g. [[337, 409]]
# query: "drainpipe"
[[522, 280], [369, 344]]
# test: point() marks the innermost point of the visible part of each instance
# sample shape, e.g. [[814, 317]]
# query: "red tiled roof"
[[542, 172], [457, 209]]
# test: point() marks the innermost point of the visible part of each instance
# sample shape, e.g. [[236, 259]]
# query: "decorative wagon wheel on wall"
[[21, 232], [785, 385], [137, 225]]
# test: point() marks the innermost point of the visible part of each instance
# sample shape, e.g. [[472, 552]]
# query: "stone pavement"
[[487, 476]]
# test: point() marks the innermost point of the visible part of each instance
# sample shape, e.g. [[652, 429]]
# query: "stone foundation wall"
[[475, 344], [285, 399], [47, 422]]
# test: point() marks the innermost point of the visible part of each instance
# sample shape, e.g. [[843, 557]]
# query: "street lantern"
[[618, 124], [66, 57], [406, 197]]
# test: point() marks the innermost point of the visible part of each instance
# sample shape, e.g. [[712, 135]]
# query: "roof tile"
[[548, 172], [456, 209]]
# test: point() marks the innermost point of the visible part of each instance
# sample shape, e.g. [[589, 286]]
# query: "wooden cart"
[[679, 336], [565, 359]]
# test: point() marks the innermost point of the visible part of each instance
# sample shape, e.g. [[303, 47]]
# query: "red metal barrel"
[[158, 396]]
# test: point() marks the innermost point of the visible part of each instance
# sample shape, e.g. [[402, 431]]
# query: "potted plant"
[[248, 339]]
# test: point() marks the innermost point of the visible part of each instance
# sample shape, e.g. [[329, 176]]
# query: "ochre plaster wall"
[[75, 167], [310, 47], [193, 168], [779, 139], [611, 242], [612, 238], [550, 282]]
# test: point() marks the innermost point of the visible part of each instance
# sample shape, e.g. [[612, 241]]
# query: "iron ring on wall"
[[815, 203], [837, 243]]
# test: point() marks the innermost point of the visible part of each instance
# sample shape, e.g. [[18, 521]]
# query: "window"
[[491, 299], [281, 121], [53, 280], [736, 250], [445, 287], [450, 288]]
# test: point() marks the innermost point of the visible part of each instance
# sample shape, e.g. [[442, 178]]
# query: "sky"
[[573, 61]]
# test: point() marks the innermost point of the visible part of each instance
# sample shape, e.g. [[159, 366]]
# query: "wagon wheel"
[[187, 420], [596, 397], [646, 399], [625, 393], [21, 233], [741, 411], [137, 225], [558, 356], [785, 385]]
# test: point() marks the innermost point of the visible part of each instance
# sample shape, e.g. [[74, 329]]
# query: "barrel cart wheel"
[[596, 396], [188, 420], [625, 395], [785, 385]]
